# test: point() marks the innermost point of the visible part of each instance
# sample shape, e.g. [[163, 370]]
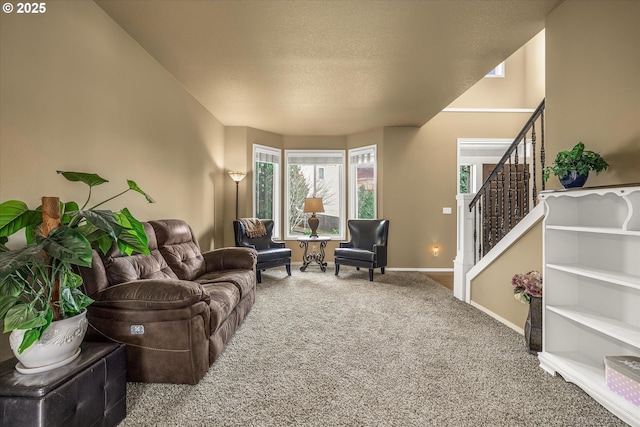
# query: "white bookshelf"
[[591, 293]]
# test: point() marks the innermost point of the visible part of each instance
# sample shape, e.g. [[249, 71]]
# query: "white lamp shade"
[[237, 176]]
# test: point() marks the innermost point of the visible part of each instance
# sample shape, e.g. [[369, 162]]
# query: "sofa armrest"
[[230, 259], [151, 294]]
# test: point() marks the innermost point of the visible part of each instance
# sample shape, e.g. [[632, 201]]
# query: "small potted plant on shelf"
[[38, 284], [572, 167], [527, 288]]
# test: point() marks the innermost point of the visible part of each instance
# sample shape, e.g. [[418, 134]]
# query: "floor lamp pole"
[[237, 184]]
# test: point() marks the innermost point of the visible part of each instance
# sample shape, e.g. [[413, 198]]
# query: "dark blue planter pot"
[[573, 180]]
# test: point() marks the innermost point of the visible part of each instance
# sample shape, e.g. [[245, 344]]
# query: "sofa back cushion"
[[125, 268], [179, 247]]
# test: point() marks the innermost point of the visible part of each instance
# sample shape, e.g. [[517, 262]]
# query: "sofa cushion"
[[165, 294], [353, 253], [244, 280], [224, 299], [121, 268], [179, 247]]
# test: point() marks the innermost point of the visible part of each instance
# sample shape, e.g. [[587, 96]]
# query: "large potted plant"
[[572, 167], [38, 285]]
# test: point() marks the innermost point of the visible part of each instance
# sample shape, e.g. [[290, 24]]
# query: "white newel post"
[[464, 253]]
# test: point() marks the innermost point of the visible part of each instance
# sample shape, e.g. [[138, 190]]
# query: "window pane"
[[315, 174], [266, 185], [365, 191], [465, 179], [264, 190], [362, 183]]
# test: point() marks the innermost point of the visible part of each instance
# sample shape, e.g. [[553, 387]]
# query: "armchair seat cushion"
[[356, 254], [272, 254]]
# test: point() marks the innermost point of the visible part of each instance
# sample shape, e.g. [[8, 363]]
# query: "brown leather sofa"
[[176, 308]]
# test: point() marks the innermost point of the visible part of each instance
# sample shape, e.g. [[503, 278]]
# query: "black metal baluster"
[[542, 150], [534, 194]]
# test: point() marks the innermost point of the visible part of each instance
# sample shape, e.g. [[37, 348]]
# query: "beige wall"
[[593, 84], [77, 93], [419, 179], [492, 288], [522, 86]]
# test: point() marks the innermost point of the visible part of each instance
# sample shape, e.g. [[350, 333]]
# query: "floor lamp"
[[237, 176]]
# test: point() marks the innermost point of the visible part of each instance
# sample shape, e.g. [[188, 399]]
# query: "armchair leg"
[[337, 268], [288, 267], [371, 274], [382, 270], [259, 275]]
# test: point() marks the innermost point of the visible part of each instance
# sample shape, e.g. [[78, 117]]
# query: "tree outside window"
[[362, 182], [266, 185], [315, 173]]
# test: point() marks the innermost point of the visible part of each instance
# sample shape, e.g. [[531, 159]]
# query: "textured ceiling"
[[328, 67]]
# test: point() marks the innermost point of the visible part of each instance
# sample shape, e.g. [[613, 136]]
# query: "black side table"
[[90, 391]]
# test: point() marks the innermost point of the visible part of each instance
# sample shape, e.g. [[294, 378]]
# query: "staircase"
[[505, 207]]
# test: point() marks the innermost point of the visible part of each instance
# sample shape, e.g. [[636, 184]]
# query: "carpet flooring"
[[321, 350]]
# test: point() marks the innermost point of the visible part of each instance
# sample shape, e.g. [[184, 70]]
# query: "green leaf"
[[14, 260], [91, 179], [133, 237], [69, 245], [11, 286], [66, 211], [22, 316], [134, 187], [103, 220], [71, 280], [15, 215], [6, 302], [68, 302], [28, 338]]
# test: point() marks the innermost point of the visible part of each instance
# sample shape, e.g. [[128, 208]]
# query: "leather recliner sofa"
[[176, 308]]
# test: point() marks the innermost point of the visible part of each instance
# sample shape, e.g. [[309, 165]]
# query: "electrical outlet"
[[446, 211]]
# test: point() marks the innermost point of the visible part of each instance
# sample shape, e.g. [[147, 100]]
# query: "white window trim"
[[277, 182], [318, 154], [353, 182]]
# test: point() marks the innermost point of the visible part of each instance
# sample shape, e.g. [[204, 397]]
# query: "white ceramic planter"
[[58, 345]]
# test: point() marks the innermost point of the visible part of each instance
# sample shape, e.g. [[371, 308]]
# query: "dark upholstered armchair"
[[270, 253], [367, 247]]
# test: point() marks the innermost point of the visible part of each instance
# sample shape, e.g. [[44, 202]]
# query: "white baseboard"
[[500, 319], [428, 270]]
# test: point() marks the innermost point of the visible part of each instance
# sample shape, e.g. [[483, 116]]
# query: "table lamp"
[[313, 205]]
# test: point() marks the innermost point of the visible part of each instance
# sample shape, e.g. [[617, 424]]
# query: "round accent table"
[[314, 256]]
